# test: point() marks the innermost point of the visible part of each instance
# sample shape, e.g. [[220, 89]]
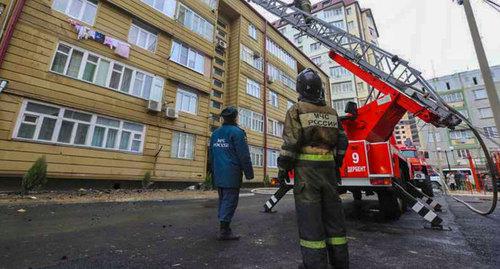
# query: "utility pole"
[[440, 168], [483, 61]]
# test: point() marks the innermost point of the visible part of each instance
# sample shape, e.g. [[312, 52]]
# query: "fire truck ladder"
[[387, 67], [424, 198]]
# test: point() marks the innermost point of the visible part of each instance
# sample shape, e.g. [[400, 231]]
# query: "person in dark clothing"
[[230, 159], [314, 147]]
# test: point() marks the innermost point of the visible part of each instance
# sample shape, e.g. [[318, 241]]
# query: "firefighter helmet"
[[310, 87]]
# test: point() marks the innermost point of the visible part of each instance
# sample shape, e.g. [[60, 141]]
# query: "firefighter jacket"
[[311, 129], [230, 156]]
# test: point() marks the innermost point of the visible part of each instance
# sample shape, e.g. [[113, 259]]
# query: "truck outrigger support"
[[426, 199], [280, 193], [428, 214]]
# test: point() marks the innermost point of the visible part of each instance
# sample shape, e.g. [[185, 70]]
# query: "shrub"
[[209, 182], [146, 180], [36, 176]]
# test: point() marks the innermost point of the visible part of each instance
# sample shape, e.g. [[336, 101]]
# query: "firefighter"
[[314, 145], [230, 158]]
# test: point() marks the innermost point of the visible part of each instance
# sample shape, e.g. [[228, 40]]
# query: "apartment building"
[[465, 91], [349, 16], [111, 89]]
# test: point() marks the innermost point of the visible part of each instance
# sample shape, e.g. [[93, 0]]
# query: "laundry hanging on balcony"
[[83, 32]]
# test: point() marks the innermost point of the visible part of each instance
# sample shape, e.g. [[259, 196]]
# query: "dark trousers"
[[228, 201], [320, 215]]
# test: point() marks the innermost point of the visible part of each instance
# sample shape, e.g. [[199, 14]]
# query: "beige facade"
[[95, 114]]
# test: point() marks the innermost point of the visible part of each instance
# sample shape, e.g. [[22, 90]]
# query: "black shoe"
[[226, 234]]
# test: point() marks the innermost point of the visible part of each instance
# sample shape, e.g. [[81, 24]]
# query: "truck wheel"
[[390, 205], [357, 195], [427, 188]]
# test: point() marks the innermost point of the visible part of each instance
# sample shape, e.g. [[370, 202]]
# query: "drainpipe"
[[4, 43], [265, 99]]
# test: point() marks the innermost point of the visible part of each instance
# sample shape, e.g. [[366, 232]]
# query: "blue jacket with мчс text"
[[230, 156]]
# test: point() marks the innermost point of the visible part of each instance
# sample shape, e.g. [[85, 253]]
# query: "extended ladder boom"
[[385, 66]]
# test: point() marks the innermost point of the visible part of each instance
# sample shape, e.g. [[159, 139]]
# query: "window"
[[257, 156], [342, 88], [339, 24], [448, 86], [251, 120], [348, 11], [274, 127], [252, 31], [491, 132], [333, 12], [218, 83], [211, 3], [48, 123], [214, 117], [82, 10], [195, 22], [216, 105], [183, 146], [339, 105], [299, 39], [216, 94], [430, 137], [315, 46], [166, 7], [462, 153], [272, 158], [250, 57], [339, 72], [184, 55], [219, 72], [474, 79], [316, 60], [273, 99], [143, 36], [453, 97], [350, 26], [276, 74], [460, 134], [289, 104], [93, 68], [279, 52], [486, 112], [187, 101], [253, 88], [480, 94], [219, 61]]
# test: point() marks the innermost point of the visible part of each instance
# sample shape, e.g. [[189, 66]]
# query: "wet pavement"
[[181, 234]]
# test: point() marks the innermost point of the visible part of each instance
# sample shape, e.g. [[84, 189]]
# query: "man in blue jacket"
[[230, 158]]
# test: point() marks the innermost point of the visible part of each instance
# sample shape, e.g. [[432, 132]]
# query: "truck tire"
[[389, 204], [357, 195]]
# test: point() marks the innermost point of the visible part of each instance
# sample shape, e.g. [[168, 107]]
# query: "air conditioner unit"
[[270, 80], [154, 106], [221, 44], [171, 113]]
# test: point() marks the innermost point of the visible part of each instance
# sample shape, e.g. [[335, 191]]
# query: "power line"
[[494, 5]]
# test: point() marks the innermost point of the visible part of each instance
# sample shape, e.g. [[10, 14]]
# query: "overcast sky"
[[434, 33]]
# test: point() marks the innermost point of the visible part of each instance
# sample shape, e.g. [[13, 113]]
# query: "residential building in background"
[[465, 92], [349, 16], [114, 89]]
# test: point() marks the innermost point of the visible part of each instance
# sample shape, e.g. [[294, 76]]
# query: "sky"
[[433, 34]]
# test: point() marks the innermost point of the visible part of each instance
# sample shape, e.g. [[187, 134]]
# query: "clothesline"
[[121, 48]]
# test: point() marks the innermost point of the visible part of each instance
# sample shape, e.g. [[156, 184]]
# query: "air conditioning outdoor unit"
[[270, 80], [222, 44], [154, 105], [171, 113]]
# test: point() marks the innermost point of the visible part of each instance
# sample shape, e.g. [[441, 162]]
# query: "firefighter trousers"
[[319, 211]]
